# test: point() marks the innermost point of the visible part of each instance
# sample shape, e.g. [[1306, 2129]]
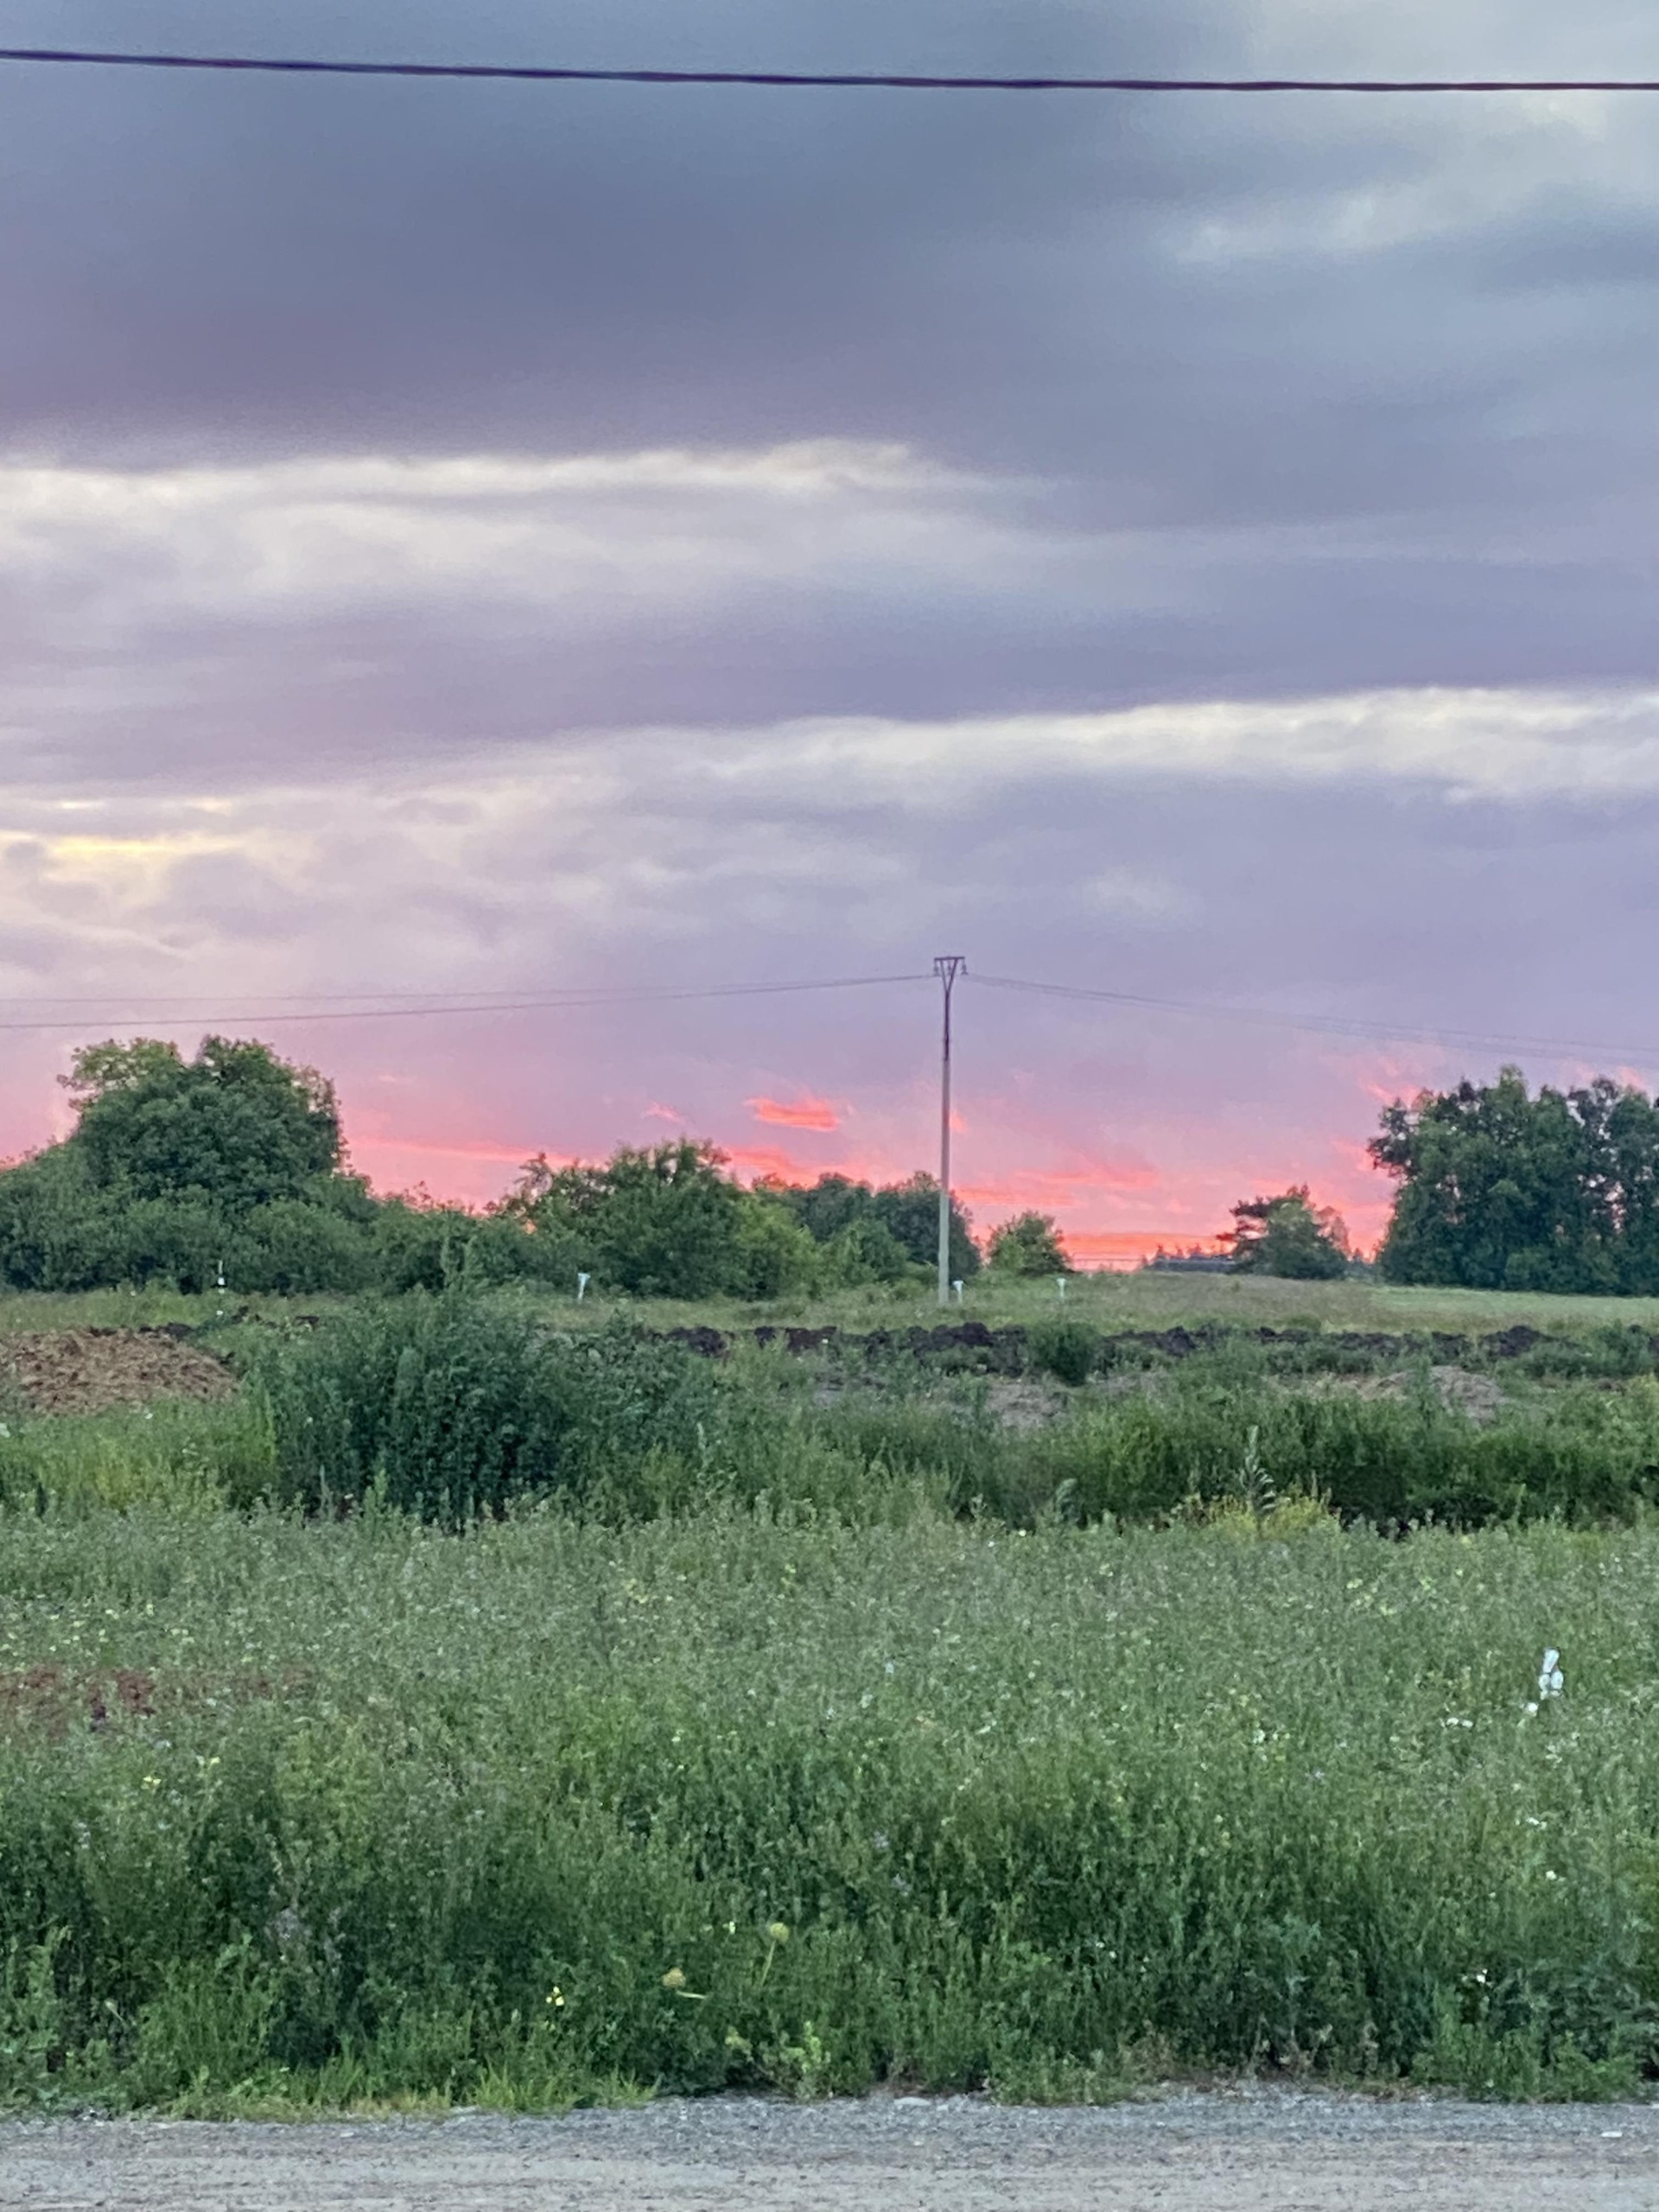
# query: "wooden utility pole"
[[947, 967]]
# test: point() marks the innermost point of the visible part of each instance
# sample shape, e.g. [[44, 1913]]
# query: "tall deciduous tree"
[[235, 1128], [1288, 1235], [1500, 1189]]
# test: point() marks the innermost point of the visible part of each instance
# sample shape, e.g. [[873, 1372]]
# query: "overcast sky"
[[472, 538]]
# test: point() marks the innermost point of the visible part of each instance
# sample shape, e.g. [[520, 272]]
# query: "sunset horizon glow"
[[674, 563]]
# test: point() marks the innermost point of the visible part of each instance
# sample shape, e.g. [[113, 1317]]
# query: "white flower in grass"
[[1549, 1674]]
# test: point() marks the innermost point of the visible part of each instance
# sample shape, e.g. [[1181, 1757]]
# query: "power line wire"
[[576, 999], [572, 1001], [828, 81], [1323, 1025]]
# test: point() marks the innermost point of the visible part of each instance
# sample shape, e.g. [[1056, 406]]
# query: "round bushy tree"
[[1030, 1244]]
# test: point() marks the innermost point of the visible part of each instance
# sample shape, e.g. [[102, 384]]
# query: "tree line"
[[229, 1167], [1498, 1188]]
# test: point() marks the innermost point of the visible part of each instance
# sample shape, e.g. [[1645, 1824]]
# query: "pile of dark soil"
[[95, 1370]]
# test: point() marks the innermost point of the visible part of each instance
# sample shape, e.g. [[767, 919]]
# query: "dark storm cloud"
[[1404, 318]]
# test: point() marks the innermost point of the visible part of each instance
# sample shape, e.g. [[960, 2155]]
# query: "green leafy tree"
[[865, 1253], [773, 1256], [662, 1221], [910, 1212], [1288, 1235], [1499, 1189], [870, 1236], [234, 1128], [1030, 1244], [828, 1208]]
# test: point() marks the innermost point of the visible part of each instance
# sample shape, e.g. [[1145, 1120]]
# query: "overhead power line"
[[127, 1011], [825, 81], [371, 1006], [1328, 1024]]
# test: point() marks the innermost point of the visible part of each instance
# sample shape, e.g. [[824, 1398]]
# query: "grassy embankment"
[[796, 1735]]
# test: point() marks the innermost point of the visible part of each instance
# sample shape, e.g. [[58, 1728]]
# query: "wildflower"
[[674, 1979], [777, 1936], [1549, 1674], [152, 1782], [556, 1998]]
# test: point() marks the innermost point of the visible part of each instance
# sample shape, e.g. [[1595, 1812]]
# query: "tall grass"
[[190, 1457], [453, 1406], [356, 1811], [1580, 1454]]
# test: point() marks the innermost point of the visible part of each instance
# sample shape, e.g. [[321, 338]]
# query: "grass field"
[[298, 1815], [797, 1726], [1145, 1299]]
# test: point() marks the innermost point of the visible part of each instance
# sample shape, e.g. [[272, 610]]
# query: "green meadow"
[[476, 1708]]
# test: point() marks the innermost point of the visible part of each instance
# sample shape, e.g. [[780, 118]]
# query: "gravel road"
[[1243, 2151]]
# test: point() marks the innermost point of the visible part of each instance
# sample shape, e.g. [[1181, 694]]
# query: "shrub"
[[1068, 1350], [290, 1246], [449, 1406]]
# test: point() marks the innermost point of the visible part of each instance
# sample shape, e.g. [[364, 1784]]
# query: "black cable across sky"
[[573, 1001], [826, 81], [1316, 1024], [369, 1005]]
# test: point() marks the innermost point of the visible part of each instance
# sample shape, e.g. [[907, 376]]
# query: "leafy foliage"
[[451, 1407], [1067, 1349], [1503, 1189], [879, 1235], [1030, 1244], [231, 1165], [1289, 1236], [236, 1126]]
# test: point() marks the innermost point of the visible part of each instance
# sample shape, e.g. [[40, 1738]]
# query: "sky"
[[514, 541]]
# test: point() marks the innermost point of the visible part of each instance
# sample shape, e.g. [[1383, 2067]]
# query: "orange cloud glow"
[[806, 1113], [1048, 1188]]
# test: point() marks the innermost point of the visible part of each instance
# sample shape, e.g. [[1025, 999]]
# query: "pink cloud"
[[803, 1113], [1048, 1188]]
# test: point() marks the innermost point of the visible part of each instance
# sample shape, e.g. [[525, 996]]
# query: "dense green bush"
[[450, 1406], [1071, 1351]]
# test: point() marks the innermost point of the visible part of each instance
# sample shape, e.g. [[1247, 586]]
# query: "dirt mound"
[[1458, 1391], [94, 1370]]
